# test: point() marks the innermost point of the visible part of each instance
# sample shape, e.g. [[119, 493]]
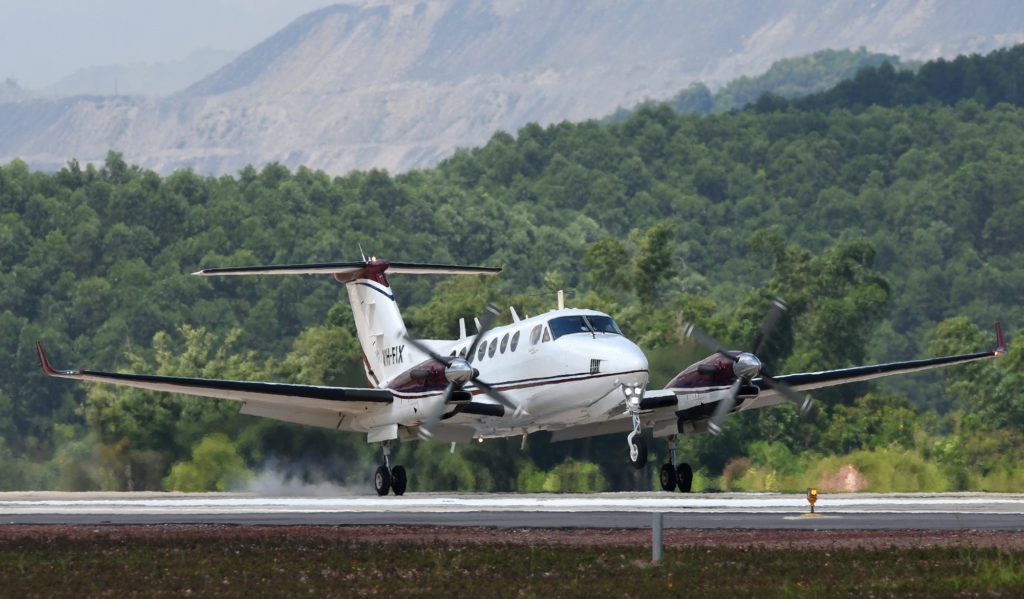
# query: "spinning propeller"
[[459, 371], [746, 366]]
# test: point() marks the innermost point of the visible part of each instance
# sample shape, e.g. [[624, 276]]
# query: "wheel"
[[668, 477], [382, 480], [684, 477], [638, 452], [398, 480]]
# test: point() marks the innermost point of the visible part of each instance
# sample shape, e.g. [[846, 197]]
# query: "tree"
[[215, 466]]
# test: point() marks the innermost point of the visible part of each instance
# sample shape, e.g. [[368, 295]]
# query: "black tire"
[[382, 481], [668, 477], [684, 477], [398, 480], [638, 458]]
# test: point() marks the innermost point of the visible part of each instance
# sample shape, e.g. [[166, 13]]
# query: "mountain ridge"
[[401, 85]]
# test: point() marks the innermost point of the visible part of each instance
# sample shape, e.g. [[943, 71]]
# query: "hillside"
[[400, 85], [891, 231], [11, 92], [787, 78], [142, 78]]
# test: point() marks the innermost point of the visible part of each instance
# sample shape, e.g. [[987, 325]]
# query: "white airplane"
[[568, 371]]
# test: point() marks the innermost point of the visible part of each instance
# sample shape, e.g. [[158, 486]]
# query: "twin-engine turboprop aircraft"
[[568, 371]]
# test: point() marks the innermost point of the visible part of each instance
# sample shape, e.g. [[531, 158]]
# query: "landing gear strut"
[[387, 478], [637, 445], [673, 475]]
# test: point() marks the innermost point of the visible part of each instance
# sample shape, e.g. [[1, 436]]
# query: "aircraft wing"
[[281, 401], [806, 381], [669, 411]]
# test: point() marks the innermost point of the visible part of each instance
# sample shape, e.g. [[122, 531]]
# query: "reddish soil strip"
[[745, 538]]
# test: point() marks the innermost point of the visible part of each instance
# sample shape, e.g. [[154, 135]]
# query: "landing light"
[[633, 395]]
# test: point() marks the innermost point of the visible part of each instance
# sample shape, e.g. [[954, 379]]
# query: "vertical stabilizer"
[[379, 324]]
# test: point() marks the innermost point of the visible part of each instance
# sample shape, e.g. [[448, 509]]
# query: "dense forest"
[[886, 211]]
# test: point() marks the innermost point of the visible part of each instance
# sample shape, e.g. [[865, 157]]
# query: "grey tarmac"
[[760, 511]]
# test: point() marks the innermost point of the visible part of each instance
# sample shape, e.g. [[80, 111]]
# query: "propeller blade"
[[724, 407], [423, 348], [771, 320], [434, 410], [499, 397], [490, 312], [690, 331], [802, 401]]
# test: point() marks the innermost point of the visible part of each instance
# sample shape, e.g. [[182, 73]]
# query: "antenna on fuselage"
[[561, 300], [462, 328], [361, 252]]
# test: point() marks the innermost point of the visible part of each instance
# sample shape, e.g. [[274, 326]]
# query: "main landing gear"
[[387, 478], [676, 476], [673, 475]]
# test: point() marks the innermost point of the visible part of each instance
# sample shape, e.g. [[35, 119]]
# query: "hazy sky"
[[44, 40]]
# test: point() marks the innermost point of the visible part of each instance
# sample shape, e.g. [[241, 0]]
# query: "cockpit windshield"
[[590, 323]]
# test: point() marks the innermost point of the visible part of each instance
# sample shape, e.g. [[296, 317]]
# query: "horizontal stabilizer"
[[350, 269]]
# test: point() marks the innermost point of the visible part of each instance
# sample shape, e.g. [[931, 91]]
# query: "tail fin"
[[379, 323]]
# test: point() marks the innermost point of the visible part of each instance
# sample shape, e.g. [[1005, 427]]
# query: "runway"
[[954, 511]]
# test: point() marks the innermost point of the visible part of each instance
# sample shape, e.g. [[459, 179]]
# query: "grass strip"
[[106, 562]]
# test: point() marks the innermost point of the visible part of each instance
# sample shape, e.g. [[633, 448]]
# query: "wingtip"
[[48, 368], [1000, 340], [43, 360]]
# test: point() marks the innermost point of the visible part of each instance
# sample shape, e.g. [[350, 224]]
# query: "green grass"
[[293, 565]]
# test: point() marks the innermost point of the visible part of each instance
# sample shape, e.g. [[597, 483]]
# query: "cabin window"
[[515, 342], [535, 335], [492, 348], [504, 343], [462, 352], [480, 352], [547, 335]]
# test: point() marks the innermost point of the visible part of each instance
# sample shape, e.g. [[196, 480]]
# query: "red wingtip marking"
[[1000, 341], [47, 368]]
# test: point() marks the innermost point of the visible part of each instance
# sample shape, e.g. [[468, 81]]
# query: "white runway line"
[[174, 504]]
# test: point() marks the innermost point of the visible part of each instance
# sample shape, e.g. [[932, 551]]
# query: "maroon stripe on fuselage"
[[528, 383]]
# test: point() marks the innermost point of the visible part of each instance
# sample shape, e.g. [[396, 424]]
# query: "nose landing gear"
[[637, 445]]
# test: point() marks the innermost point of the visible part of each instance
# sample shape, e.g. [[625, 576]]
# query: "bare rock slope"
[[399, 85]]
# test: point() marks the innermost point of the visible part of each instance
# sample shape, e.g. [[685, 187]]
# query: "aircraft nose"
[[633, 364]]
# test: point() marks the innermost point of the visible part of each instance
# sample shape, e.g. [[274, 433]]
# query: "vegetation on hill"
[[786, 78], [989, 80], [892, 231]]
